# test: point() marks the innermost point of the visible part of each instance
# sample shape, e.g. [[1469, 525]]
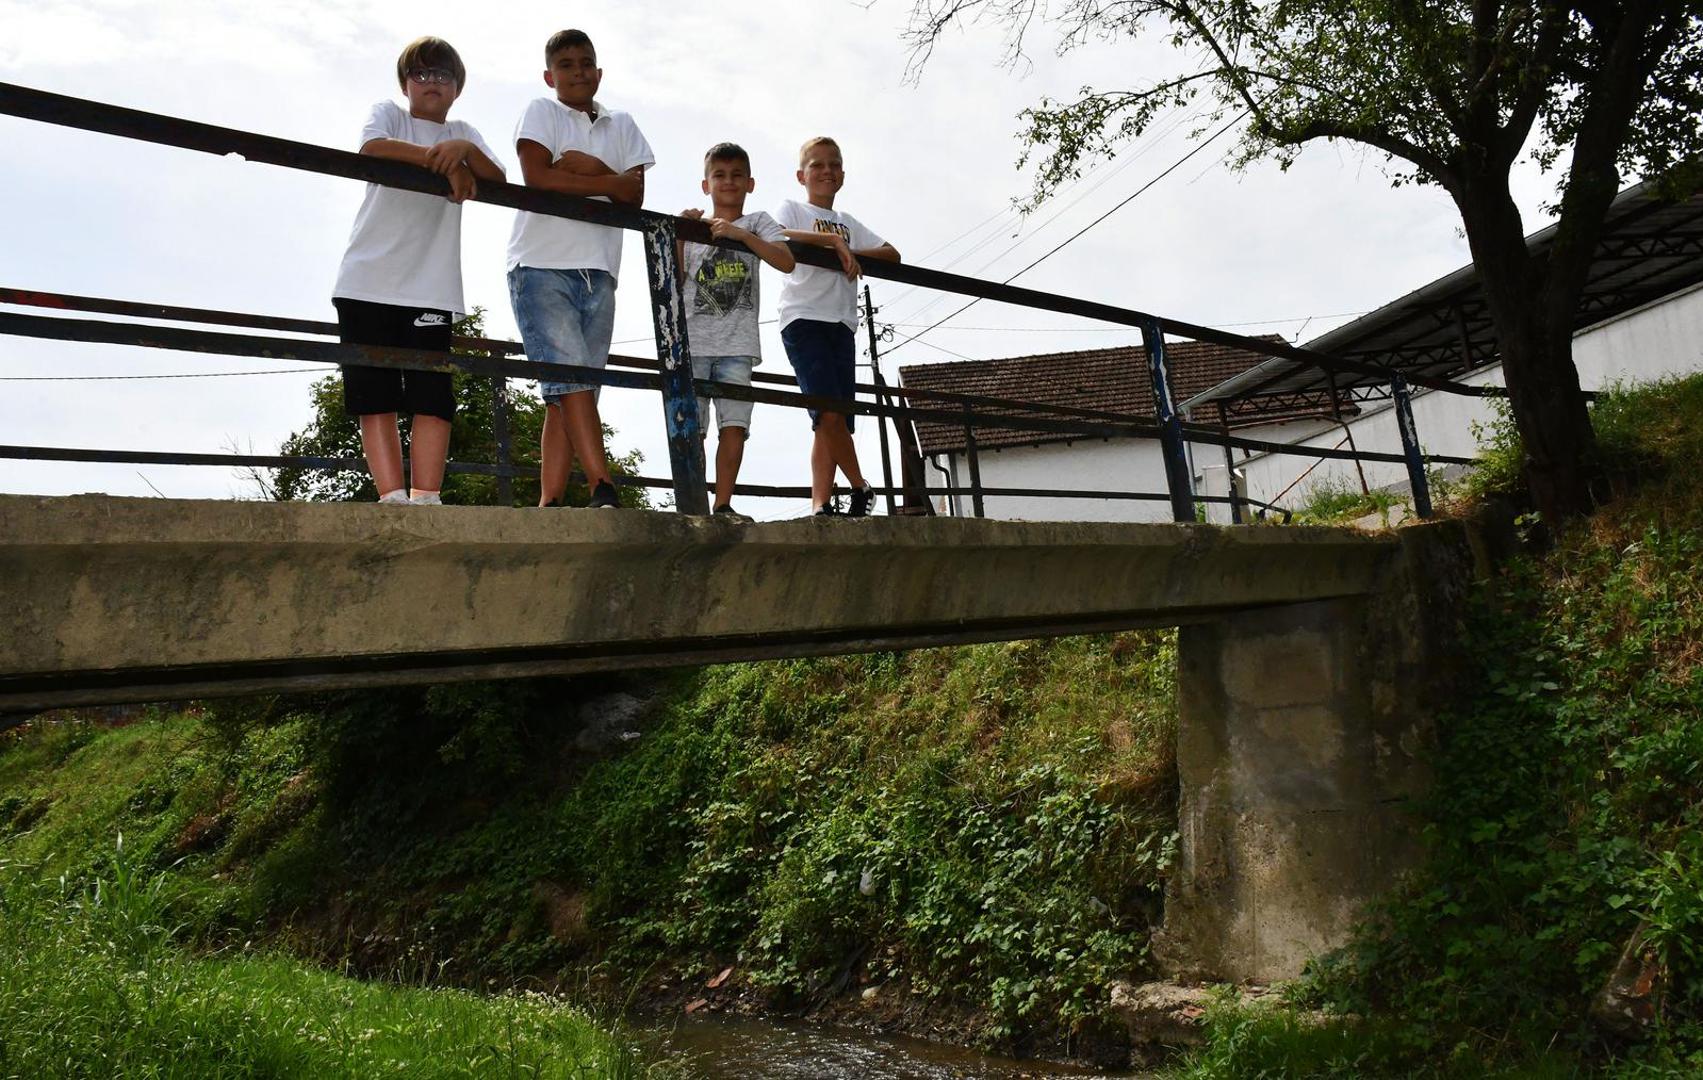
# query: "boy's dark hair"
[[430, 52], [567, 39], [726, 151], [811, 144]]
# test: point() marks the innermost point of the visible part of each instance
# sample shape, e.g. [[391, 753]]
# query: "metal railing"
[[670, 374]]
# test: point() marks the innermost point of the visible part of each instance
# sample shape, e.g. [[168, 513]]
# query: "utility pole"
[[910, 454]]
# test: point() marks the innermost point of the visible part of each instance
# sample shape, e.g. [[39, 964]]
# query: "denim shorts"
[[823, 356], [728, 369], [565, 317]]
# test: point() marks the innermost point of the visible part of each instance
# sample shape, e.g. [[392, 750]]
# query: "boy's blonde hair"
[[431, 52], [811, 144]]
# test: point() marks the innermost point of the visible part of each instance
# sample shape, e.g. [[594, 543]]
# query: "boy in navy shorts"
[[562, 271], [721, 298], [400, 281], [818, 316]]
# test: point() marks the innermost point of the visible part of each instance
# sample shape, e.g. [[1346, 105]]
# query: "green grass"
[[91, 984]]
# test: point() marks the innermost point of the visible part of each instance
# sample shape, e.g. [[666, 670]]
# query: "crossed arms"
[[579, 173]]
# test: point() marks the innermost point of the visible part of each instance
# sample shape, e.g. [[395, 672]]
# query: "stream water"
[[740, 1048]]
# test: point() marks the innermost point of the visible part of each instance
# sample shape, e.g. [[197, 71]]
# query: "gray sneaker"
[[728, 513]]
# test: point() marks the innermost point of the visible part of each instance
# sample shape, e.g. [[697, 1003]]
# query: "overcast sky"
[[930, 166]]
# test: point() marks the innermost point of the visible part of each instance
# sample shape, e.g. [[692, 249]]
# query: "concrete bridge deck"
[[106, 600], [1312, 663]]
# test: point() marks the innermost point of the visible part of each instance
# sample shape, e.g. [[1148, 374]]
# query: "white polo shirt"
[[554, 243]]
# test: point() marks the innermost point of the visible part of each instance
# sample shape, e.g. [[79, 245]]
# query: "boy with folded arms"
[[562, 271]]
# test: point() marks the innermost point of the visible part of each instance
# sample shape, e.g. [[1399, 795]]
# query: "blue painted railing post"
[[1410, 447], [679, 396], [1177, 478]]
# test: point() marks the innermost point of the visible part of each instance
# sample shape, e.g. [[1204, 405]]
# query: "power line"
[[1174, 166]]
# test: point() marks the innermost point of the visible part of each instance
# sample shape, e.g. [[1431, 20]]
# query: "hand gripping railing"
[[672, 372]]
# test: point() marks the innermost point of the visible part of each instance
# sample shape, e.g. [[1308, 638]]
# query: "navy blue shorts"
[[824, 357]]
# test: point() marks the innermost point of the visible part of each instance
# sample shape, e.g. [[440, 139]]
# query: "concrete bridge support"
[[1302, 738]]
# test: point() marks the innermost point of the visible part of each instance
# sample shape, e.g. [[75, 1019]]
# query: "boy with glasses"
[[400, 281]]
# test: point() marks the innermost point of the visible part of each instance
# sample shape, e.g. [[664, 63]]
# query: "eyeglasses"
[[432, 75]]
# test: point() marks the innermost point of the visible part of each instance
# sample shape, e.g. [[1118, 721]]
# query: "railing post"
[[1410, 447], [500, 431], [1230, 466], [1177, 478], [975, 461], [679, 396]]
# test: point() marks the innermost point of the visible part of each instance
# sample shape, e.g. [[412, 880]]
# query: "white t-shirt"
[[722, 293], [810, 292], [555, 243], [405, 248]]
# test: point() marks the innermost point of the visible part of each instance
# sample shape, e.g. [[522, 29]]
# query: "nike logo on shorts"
[[429, 318]]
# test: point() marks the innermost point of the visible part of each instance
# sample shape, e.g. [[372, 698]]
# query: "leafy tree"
[[1452, 90], [332, 433]]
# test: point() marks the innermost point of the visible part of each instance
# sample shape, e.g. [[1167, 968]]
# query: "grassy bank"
[[1564, 824], [92, 984], [980, 832]]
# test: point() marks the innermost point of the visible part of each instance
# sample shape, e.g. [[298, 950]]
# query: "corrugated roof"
[[1108, 380], [1649, 248]]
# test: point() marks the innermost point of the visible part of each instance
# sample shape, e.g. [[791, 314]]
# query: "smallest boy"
[[818, 316], [721, 304]]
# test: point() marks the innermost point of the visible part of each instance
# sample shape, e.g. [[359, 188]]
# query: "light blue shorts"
[[565, 317], [727, 369]]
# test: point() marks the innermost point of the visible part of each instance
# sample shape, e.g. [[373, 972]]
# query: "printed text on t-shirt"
[[838, 228]]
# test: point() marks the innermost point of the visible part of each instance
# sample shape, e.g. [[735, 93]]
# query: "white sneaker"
[[394, 498], [427, 498]]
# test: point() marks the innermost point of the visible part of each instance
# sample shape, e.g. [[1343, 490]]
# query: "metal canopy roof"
[[1649, 249]]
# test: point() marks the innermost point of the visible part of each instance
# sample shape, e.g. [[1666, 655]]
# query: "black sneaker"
[[603, 496], [726, 510], [861, 500], [831, 508]]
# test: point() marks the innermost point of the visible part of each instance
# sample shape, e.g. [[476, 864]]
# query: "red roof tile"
[[1107, 380]]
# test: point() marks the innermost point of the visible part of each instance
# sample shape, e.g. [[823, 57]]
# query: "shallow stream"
[[747, 1049]]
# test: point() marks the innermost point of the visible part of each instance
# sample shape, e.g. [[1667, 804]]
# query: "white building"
[[1641, 318]]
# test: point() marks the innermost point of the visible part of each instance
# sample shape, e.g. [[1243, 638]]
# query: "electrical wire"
[[1174, 166]]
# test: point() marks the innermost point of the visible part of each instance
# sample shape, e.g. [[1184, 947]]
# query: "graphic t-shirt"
[[555, 243], [810, 292], [722, 293], [405, 248]]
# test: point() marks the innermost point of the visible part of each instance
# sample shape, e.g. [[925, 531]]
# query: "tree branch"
[[1390, 143], [1535, 85]]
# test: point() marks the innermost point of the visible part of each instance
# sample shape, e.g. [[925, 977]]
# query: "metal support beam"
[[500, 431], [1177, 476], [679, 395], [1410, 447], [1230, 467], [975, 461]]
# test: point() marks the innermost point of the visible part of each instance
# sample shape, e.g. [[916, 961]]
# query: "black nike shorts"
[[369, 390]]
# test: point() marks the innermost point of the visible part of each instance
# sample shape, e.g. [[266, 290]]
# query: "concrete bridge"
[[1312, 661]]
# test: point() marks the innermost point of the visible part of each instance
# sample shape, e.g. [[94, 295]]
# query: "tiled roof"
[[1107, 380]]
